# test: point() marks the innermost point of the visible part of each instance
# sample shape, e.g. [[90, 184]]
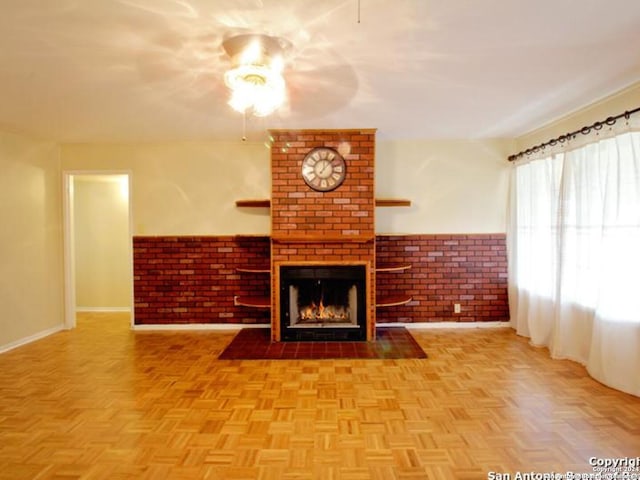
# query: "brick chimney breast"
[[308, 226]]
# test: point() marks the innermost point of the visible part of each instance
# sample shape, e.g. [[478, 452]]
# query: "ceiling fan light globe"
[[241, 99], [255, 87], [255, 80], [264, 106]]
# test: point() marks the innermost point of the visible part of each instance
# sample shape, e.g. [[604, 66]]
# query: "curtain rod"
[[571, 135]]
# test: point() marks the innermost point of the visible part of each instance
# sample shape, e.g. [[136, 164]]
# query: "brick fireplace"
[[235, 279], [322, 229]]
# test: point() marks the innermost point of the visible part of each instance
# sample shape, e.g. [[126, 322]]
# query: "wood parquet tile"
[[104, 402]]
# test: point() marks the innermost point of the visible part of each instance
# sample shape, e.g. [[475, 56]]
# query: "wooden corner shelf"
[[393, 300], [253, 302], [256, 203], [393, 267], [393, 202], [259, 269]]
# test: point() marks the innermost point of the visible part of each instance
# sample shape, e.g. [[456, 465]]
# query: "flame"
[[322, 312]]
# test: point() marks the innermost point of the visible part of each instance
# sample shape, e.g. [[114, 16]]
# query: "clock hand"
[[326, 165]]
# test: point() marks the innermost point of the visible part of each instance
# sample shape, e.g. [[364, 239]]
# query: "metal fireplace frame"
[[358, 332]]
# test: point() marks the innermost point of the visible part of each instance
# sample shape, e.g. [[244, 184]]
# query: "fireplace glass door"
[[323, 303]]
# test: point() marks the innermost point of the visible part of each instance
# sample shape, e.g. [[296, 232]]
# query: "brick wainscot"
[[197, 279], [194, 279]]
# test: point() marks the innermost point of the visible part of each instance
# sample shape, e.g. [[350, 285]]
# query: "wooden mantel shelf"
[[387, 267], [380, 202], [322, 238], [254, 302]]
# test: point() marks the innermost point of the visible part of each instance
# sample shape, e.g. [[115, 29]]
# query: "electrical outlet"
[[456, 308]]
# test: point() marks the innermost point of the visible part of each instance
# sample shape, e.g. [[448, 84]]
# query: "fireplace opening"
[[323, 303]]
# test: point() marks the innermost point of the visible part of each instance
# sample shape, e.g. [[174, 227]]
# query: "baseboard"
[[240, 326], [31, 338], [451, 325], [103, 309], [198, 326]]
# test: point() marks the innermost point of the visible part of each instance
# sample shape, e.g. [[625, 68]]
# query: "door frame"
[[69, 244]]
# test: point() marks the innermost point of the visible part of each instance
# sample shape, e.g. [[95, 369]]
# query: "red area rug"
[[255, 344]]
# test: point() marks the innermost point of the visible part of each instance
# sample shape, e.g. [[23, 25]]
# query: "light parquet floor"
[[104, 402]]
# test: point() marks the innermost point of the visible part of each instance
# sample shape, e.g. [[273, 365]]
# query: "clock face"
[[323, 169]]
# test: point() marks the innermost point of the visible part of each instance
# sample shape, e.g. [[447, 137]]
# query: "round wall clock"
[[323, 169]]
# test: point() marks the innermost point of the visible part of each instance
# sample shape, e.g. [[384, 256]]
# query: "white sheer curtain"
[[574, 255]]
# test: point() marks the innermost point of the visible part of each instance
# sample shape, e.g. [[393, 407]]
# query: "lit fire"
[[322, 312]]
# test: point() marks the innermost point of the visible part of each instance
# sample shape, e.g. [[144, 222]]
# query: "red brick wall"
[[323, 252], [298, 210], [445, 269], [302, 219], [194, 279]]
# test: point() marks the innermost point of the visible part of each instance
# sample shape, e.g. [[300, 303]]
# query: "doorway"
[[97, 241]]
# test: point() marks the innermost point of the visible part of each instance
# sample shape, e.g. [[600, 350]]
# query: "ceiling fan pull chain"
[[358, 11], [244, 125]]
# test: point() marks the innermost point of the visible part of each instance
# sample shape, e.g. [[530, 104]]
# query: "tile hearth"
[[256, 344]]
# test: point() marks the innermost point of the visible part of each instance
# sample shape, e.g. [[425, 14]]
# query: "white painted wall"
[[31, 269], [627, 99], [186, 188], [456, 186], [102, 242]]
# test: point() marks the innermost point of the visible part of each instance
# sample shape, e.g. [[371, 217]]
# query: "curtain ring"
[[610, 121]]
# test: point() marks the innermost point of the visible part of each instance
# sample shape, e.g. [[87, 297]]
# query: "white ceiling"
[[150, 70]]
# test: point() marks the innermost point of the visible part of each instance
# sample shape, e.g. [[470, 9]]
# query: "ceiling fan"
[[288, 49]]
